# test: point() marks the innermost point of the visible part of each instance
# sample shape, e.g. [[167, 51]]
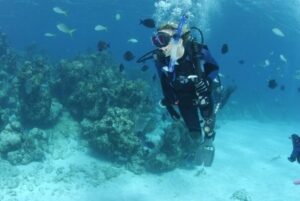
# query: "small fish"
[[282, 87], [102, 45], [49, 35], [128, 56], [132, 40], [153, 77], [118, 16], [282, 58], [63, 28], [298, 89], [267, 63], [241, 61], [297, 182], [272, 84], [144, 68], [58, 10], [224, 48], [100, 27], [150, 23], [121, 68], [278, 32]]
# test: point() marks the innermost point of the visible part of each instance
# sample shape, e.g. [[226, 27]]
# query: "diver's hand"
[[202, 87], [203, 93], [173, 113]]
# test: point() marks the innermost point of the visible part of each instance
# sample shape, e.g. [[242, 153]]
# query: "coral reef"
[[21, 147], [113, 135], [34, 96], [117, 114], [173, 148], [88, 87]]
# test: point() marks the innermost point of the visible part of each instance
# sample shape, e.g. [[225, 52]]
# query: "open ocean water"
[[81, 124]]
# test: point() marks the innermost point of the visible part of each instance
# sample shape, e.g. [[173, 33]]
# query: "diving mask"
[[161, 39]]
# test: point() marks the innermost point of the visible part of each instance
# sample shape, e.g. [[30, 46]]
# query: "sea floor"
[[250, 164]]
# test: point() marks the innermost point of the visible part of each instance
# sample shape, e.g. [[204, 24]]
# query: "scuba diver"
[[189, 80], [295, 155]]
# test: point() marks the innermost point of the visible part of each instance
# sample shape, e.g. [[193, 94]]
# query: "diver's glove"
[[202, 86], [203, 92], [173, 113]]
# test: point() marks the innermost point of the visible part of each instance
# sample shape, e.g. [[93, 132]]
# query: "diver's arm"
[[211, 68], [169, 96]]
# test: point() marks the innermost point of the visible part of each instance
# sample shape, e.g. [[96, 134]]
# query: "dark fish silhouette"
[[272, 84], [121, 68], [102, 45], [150, 23], [296, 148], [128, 56], [144, 68], [298, 89], [224, 48], [282, 87], [153, 77], [241, 61]]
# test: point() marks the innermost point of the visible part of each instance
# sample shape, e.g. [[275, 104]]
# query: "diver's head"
[[165, 33]]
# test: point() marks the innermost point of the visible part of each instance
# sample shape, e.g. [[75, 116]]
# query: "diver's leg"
[[207, 147], [209, 117], [192, 121], [293, 156], [298, 155]]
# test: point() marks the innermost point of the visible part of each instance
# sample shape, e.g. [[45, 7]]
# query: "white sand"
[[244, 154]]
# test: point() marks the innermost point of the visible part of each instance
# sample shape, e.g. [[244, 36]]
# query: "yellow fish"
[[63, 28], [60, 11]]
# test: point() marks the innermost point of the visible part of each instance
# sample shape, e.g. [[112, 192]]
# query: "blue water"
[[244, 25], [252, 130]]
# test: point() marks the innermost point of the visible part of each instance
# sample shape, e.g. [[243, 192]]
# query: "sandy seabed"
[[250, 164]]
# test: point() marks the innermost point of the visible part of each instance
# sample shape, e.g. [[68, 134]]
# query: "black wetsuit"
[[295, 155], [178, 90]]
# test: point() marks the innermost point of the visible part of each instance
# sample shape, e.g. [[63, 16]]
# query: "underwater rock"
[[110, 172], [173, 148], [115, 131], [34, 94], [55, 111], [9, 139], [241, 195], [32, 147], [91, 84]]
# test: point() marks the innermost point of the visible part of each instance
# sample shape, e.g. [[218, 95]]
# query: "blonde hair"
[[173, 27]]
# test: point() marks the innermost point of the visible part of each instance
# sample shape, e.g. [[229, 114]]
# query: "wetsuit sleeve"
[[211, 68], [167, 90]]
